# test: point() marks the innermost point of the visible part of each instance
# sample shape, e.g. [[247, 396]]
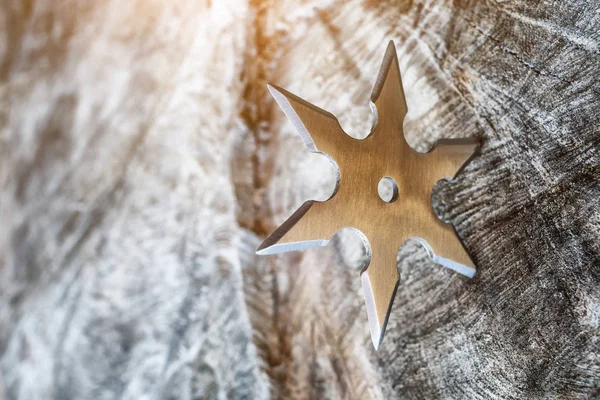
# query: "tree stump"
[[142, 162]]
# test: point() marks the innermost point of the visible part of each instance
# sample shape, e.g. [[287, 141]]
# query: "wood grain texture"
[[142, 162], [120, 269]]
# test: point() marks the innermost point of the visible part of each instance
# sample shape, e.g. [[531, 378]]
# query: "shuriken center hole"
[[387, 189]]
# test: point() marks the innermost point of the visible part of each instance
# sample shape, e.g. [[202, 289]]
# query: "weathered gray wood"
[[141, 163], [120, 262]]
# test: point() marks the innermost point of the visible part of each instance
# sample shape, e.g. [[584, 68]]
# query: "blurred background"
[[142, 161]]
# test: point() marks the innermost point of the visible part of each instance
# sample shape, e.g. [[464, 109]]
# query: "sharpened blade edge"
[[454, 266], [374, 325], [295, 246], [291, 115]]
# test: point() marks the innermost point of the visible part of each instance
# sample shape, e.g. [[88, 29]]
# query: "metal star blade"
[[356, 203]]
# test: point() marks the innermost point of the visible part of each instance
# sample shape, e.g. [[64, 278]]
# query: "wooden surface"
[[142, 162]]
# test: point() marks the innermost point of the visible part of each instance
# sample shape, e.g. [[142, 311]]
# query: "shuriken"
[[355, 203]]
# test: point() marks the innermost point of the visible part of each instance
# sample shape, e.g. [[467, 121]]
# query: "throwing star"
[[355, 203]]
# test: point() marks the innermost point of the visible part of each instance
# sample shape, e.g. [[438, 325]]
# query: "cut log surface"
[[142, 162]]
